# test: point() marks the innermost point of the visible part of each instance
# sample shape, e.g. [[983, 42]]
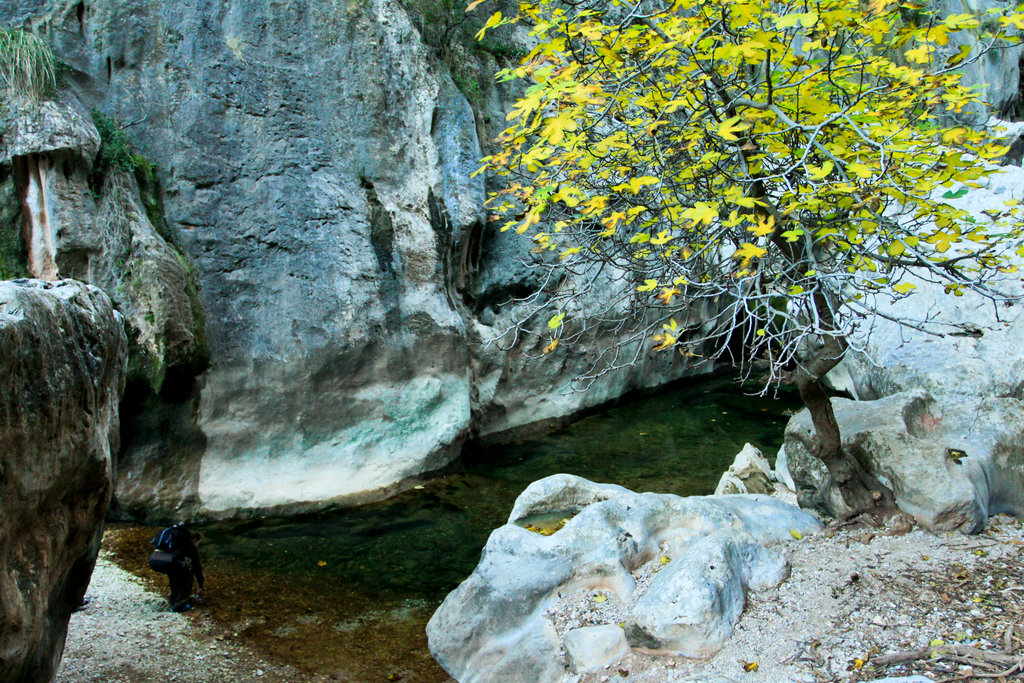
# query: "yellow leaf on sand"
[[600, 597], [748, 666], [795, 534]]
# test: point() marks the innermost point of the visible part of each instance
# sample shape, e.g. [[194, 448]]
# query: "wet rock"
[[63, 358], [493, 626]]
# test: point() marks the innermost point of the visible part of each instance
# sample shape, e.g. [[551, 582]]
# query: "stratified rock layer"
[[62, 371]]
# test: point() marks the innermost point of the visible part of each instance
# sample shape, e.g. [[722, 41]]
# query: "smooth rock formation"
[[750, 472], [493, 626], [590, 648], [977, 352], [62, 371], [950, 462], [89, 220]]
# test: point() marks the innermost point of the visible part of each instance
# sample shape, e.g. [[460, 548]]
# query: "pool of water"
[[347, 594]]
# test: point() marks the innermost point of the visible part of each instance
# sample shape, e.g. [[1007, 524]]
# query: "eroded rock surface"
[[708, 550], [62, 371], [950, 462]]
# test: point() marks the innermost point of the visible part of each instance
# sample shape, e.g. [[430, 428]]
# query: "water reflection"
[[347, 594]]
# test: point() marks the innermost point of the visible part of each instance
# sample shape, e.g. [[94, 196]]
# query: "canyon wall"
[[310, 163]]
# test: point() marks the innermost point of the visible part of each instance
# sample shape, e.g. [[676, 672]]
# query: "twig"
[[948, 652]]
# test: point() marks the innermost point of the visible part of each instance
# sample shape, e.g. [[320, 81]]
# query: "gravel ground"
[[126, 634], [951, 606]]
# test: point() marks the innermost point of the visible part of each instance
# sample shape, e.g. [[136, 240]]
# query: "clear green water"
[[347, 594]]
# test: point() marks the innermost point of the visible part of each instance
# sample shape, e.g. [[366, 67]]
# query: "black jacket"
[[178, 541]]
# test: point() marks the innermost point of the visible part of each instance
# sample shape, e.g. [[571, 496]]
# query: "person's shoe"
[[181, 608]]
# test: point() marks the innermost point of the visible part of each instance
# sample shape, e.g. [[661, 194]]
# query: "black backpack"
[[172, 539]]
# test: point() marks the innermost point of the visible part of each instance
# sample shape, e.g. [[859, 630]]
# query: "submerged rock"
[[494, 625], [63, 358]]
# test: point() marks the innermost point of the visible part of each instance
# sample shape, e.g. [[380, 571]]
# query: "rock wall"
[[314, 159], [62, 371]]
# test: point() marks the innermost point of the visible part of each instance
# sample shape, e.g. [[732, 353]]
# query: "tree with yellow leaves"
[[783, 167]]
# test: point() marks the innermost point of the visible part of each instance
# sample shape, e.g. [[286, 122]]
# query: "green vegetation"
[[116, 151], [451, 32], [27, 66], [783, 168], [13, 258]]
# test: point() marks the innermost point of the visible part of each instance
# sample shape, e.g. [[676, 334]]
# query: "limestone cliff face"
[[62, 371], [314, 157]]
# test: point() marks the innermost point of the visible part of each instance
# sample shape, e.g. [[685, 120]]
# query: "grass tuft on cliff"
[[27, 66]]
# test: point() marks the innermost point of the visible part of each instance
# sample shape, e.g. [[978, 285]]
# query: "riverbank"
[[126, 634], [872, 596]]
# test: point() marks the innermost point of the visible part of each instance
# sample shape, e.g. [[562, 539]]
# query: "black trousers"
[[180, 578], [179, 575]]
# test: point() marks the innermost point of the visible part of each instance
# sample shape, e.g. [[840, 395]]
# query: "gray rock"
[[63, 357], [950, 462], [750, 472], [592, 647], [692, 604], [97, 229], [978, 353], [492, 627]]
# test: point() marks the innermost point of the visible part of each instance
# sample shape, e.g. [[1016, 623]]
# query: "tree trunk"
[[861, 491]]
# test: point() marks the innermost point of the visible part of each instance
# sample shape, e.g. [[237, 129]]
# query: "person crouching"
[[177, 555]]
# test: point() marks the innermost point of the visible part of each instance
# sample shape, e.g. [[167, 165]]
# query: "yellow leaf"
[[321, 563], [815, 173], [667, 293], [556, 321], [555, 129], [748, 666], [550, 347], [600, 597], [491, 23], [647, 286], [795, 534], [806, 20], [665, 559], [729, 127], [665, 341], [904, 288], [748, 251], [959, 56], [471, 6], [761, 332], [634, 184], [763, 227]]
